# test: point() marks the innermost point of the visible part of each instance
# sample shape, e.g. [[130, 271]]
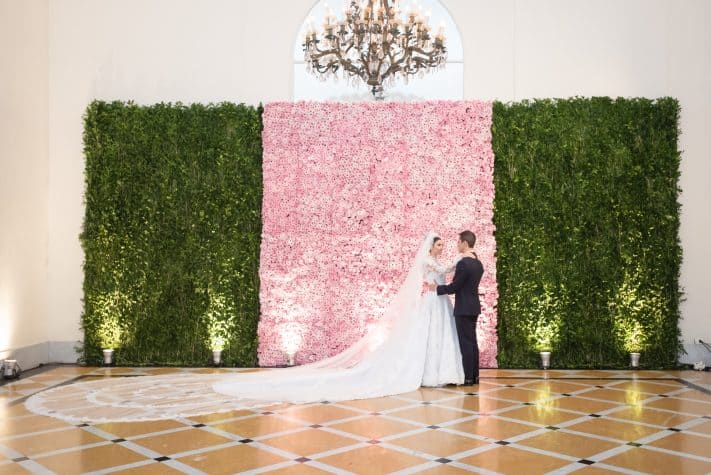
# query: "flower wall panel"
[[349, 192]]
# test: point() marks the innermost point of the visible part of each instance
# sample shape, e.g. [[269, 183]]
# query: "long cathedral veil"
[[386, 341], [396, 318], [388, 360]]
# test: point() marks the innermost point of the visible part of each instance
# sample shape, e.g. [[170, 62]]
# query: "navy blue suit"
[[465, 287]]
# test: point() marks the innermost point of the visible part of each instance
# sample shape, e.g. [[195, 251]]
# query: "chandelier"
[[374, 43]]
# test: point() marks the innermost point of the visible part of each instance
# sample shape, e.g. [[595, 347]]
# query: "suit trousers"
[[466, 331]]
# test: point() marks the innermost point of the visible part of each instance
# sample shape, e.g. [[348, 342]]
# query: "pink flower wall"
[[350, 190]]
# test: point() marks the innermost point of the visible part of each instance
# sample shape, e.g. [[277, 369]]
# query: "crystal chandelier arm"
[[334, 63], [393, 68], [342, 61], [411, 64], [348, 65]]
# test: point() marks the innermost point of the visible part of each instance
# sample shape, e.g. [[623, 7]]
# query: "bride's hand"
[[428, 287]]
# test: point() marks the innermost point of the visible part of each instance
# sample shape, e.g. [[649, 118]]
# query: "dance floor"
[[515, 421]]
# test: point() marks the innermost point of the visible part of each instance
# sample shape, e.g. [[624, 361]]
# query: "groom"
[[465, 287]]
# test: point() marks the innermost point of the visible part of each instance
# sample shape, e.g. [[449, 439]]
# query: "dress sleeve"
[[453, 265], [460, 277], [432, 265]]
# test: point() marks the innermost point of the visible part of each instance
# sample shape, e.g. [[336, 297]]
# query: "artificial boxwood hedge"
[[171, 232], [587, 220]]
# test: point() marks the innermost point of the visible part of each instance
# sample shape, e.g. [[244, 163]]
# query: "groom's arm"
[[460, 277]]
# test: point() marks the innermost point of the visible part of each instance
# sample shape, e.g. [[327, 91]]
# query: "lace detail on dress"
[[435, 271]]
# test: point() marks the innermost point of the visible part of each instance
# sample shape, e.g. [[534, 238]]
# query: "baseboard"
[[32, 356], [63, 351]]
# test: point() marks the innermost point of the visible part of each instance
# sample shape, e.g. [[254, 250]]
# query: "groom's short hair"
[[468, 237]]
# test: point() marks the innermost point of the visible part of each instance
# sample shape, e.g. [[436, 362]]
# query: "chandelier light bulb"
[[411, 9], [440, 31]]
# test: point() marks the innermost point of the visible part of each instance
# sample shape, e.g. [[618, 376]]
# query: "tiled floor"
[[518, 422]]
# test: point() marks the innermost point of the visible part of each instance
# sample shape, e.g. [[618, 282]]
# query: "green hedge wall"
[[171, 232], [586, 213], [587, 223]]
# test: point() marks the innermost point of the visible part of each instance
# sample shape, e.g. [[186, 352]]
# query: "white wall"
[[241, 50], [23, 179], [689, 80]]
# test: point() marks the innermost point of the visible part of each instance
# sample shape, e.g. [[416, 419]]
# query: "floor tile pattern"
[[515, 421]]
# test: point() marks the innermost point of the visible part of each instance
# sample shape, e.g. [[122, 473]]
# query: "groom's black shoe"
[[471, 382]]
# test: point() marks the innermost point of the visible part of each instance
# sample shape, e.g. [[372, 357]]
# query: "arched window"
[[445, 83]]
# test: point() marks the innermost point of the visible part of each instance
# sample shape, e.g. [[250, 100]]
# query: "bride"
[[443, 359], [414, 344]]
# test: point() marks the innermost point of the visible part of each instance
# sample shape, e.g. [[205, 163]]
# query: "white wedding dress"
[[443, 359], [413, 344]]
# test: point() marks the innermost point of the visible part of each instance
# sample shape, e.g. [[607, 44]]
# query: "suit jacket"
[[465, 287]]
